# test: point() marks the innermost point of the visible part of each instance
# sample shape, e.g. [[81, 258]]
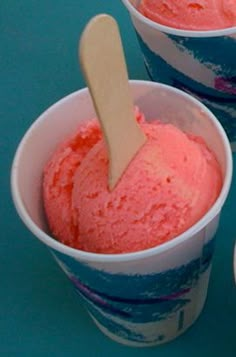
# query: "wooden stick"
[[103, 63]]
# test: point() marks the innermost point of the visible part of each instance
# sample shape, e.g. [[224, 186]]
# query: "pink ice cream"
[[170, 184], [191, 15]]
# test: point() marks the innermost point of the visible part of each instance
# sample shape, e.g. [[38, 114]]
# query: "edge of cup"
[[94, 257], [174, 31], [234, 263]]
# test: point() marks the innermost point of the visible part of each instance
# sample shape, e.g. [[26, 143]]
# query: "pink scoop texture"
[[191, 15], [169, 185]]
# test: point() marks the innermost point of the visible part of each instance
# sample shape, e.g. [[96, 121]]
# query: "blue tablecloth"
[[39, 311]]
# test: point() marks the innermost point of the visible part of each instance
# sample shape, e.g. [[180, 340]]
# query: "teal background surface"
[[40, 314]]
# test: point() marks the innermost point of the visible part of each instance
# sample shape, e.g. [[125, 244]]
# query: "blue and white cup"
[[143, 298], [202, 63]]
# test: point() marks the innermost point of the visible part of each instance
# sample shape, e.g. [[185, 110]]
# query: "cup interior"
[[156, 101]]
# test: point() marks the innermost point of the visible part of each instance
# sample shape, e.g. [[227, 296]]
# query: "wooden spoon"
[[103, 63]]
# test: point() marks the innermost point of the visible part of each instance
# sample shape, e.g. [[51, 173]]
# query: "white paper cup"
[[202, 63], [142, 298]]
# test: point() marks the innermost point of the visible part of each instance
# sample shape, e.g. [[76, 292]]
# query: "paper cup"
[[202, 63], [143, 298]]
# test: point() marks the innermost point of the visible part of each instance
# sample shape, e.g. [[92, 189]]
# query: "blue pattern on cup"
[[114, 298], [216, 54]]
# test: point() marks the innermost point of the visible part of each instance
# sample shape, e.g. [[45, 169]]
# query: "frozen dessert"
[[191, 15], [169, 185]]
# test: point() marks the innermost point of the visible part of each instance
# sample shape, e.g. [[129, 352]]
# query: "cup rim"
[[178, 32], [122, 257]]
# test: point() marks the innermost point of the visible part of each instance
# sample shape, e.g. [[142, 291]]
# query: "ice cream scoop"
[[191, 15], [170, 184]]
